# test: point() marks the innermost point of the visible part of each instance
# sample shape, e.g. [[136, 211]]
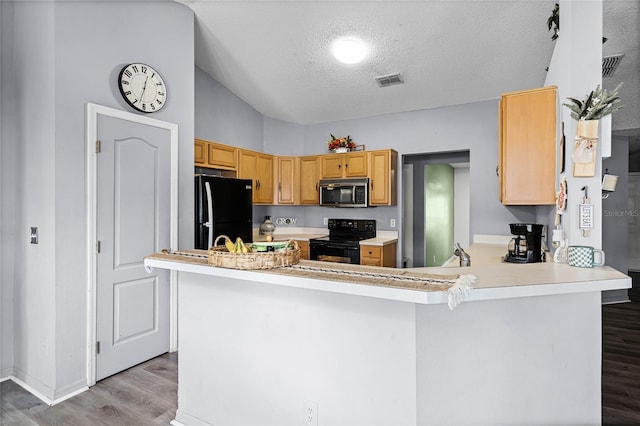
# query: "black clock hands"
[[143, 89]]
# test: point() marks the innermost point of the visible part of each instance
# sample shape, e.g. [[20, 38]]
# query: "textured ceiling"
[[622, 28], [276, 56]]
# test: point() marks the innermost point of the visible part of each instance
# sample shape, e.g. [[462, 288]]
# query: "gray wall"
[[470, 127], [615, 235], [223, 117], [6, 197], [66, 54]]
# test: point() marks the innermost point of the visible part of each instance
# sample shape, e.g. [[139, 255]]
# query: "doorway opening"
[[436, 207]]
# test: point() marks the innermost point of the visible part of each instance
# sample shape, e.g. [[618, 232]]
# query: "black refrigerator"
[[224, 206]]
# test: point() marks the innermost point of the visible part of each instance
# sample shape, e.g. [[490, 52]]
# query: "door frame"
[[93, 111]]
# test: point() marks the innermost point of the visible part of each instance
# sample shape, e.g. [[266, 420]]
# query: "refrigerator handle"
[[209, 223]]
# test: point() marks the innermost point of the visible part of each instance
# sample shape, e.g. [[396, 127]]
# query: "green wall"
[[438, 213]]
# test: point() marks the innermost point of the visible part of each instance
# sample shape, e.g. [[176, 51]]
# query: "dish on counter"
[[262, 246]]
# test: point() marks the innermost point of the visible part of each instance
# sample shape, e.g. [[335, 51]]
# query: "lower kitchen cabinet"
[[378, 255], [304, 249]]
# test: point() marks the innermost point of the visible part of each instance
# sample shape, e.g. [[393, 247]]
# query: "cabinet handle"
[[339, 165], [497, 168], [257, 184], [317, 187], [346, 165], [372, 184]]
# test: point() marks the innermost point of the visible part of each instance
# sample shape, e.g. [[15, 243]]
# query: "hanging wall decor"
[[588, 112]]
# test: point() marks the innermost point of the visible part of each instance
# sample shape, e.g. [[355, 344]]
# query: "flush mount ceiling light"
[[349, 51]]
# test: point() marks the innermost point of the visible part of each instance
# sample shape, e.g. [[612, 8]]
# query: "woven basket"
[[220, 256]]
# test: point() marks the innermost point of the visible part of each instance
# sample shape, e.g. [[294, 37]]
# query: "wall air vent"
[[389, 80], [610, 63]]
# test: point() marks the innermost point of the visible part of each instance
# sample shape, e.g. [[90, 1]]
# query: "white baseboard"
[[43, 398]]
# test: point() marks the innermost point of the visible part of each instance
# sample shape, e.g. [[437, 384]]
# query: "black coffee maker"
[[526, 246]]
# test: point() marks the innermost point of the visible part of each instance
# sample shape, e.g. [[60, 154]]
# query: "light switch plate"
[[34, 235]]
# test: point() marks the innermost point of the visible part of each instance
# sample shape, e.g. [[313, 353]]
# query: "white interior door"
[[133, 214]]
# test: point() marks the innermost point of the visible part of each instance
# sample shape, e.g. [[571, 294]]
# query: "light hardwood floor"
[[142, 395], [621, 364], [147, 394]]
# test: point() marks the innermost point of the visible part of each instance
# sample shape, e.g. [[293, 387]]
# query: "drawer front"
[[371, 251]]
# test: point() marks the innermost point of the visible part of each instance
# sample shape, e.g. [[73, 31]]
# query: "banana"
[[230, 247], [240, 247]]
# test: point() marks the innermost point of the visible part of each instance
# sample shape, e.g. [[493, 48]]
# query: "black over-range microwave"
[[344, 192]]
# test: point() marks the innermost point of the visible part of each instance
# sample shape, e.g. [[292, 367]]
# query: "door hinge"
[[97, 246], [98, 146], [97, 347]]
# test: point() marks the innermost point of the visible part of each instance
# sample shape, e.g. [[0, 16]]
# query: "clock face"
[[142, 87]]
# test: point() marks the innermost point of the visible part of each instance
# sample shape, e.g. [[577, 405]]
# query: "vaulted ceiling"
[[276, 56]]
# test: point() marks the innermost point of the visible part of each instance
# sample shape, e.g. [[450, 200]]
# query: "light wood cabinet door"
[[223, 156], [259, 168], [332, 166], [355, 164], [304, 249], [378, 255], [247, 169], [286, 180], [265, 180], [348, 165], [309, 180], [214, 155], [200, 153], [382, 177], [527, 141]]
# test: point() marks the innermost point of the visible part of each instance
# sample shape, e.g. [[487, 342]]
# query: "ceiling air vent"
[[610, 63], [389, 80]]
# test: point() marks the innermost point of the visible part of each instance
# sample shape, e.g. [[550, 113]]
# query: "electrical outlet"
[[392, 223], [325, 220], [310, 413], [34, 235]]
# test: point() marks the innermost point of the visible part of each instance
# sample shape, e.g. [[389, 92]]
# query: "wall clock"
[[142, 87]]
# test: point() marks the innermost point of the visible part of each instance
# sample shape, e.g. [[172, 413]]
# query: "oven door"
[[328, 251]]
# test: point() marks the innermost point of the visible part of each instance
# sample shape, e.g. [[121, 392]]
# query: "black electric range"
[[343, 243]]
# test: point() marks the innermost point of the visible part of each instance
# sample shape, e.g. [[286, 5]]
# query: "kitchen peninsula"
[[262, 347]]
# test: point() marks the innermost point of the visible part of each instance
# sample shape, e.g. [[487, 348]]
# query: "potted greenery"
[[598, 104], [588, 112], [554, 21]]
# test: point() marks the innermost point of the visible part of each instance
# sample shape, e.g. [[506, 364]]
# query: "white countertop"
[[494, 278]]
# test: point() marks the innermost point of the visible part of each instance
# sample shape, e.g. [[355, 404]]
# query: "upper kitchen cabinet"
[[309, 179], [259, 168], [215, 155], [351, 164], [527, 147], [286, 176], [382, 177]]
